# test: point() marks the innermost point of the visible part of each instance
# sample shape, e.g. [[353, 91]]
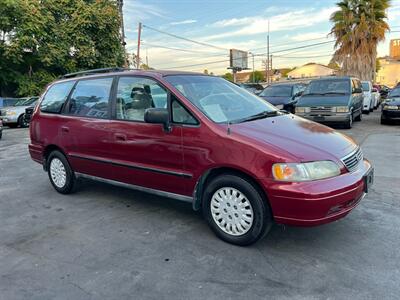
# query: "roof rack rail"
[[94, 71]]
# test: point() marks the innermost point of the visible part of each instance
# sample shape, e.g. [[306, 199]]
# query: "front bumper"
[[333, 118], [390, 114], [9, 119], [317, 202]]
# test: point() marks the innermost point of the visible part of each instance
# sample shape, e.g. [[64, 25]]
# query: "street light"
[[252, 54]]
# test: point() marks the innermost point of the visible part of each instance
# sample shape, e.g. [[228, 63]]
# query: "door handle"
[[120, 137], [64, 129]]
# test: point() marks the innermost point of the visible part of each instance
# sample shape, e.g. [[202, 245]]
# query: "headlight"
[[341, 109], [305, 171], [391, 107], [302, 109], [10, 113]]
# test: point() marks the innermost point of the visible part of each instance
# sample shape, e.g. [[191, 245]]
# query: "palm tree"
[[359, 25]]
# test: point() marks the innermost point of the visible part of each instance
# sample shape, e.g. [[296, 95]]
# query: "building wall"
[[389, 73], [312, 70], [395, 48]]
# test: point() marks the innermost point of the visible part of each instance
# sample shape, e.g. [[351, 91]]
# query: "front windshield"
[[277, 91], [25, 101], [334, 86], [365, 86], [219, 99], [394, 93]]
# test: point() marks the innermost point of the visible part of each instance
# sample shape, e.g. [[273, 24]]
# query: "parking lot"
[[104, 242]]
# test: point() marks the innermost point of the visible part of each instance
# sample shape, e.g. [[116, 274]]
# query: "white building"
[[311, 70]]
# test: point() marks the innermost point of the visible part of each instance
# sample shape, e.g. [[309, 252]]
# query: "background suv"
[[333, 100]]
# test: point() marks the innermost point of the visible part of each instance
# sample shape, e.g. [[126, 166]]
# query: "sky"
[[224, 24]]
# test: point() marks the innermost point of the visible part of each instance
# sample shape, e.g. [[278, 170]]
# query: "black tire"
[[70, 179], [366, 112], [384, 121], [349, 123], [1, 134], [358, 118], [262, 216], [21, 122], [13, 125]]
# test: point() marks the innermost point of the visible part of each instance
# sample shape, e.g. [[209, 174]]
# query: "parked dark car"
[[254, 88], [28, 114], [231, 154], [391, 107], [333, 100], [384, 91], [283, 95]]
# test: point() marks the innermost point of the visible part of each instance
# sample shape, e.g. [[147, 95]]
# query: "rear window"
[[277, 91], [365, 86], [56, 96]]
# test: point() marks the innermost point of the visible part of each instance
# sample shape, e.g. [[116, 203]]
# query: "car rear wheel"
[[235, 210], [61, 176]]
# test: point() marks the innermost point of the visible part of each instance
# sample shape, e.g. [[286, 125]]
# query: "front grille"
[[320, 110], [352, 160]]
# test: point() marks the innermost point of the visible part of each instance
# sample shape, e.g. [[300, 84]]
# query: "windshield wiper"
[[312, 94], [331, 93], [262, 115]]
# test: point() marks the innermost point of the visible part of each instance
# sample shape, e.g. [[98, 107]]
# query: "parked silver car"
[[13, 116]]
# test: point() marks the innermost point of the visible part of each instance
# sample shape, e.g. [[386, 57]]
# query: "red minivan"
[[200, 139]]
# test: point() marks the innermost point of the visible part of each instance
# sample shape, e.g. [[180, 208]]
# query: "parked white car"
[[368, 104], [376, 96]]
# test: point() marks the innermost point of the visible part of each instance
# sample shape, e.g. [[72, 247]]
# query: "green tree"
[[257, 75], [40, 40], [358, 26], [228, 76]]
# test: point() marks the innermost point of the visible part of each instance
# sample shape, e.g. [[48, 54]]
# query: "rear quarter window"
[[56, 96]]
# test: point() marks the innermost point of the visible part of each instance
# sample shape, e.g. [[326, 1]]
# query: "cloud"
[[286, 21], [138, 11], [309, 36], [190, 21]]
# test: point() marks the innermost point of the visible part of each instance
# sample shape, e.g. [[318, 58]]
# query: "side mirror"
[[157, 116]]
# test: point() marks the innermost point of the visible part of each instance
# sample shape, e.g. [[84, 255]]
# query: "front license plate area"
[[319, 118], [368, 180]]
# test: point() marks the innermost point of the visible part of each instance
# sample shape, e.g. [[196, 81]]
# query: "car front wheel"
[[235, 210], [61, 175]]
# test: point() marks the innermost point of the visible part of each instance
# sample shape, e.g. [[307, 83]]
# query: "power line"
[[292, 43], [177, 49], [185, 39], [299, 57], [259, 54]]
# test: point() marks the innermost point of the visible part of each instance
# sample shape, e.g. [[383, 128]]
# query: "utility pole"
[[120, 3], [138, 46], [147, 59], [252, 54], [270, 67]]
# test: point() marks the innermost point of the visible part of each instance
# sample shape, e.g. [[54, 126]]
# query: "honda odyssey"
[[201, 139]]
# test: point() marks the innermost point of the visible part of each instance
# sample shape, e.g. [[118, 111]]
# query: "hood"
[[393, 101], [298, 139], [15, 108], [324, 100], [276, 100]]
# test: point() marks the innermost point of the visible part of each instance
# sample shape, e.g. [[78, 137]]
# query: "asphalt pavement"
[[104, 242]]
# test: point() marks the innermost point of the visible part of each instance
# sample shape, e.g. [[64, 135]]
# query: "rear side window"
[[90, 98], [56, 96]]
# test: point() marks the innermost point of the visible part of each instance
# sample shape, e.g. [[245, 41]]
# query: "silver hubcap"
[[57, 172], [231, 211]]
